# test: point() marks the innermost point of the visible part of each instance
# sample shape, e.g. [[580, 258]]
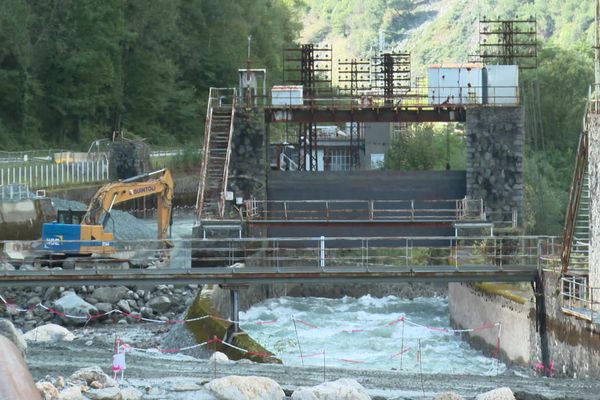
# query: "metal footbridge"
[[239, 262]]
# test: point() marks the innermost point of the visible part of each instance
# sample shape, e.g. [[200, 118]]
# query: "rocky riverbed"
[[56, 355], [164, 376], [29, 308]]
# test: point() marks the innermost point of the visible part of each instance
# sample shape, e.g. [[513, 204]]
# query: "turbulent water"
[[365, 333], [357, 333]]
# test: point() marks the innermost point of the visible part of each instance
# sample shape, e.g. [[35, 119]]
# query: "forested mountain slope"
[[435, 30], [73, 70]]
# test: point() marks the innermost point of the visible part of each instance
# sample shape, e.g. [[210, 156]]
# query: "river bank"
[[161, 376]]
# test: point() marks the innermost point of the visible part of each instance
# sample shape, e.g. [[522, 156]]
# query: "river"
[[364, 333], [368, 332]]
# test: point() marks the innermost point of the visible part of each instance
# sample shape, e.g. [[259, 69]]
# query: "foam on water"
[[360, 333]]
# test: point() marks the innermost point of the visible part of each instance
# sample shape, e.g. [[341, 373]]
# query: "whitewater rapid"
[[366, 333]]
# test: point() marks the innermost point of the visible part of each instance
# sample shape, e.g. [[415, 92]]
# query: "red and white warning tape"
[[12, 308]]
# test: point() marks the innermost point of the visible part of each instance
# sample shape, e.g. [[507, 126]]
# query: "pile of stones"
[[162, 303]]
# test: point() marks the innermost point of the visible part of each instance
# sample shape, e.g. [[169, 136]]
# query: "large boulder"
[[159, 304], [110, 295], [93, 374], [245, 388], [342, 389], [47, 390], [219, 358], [503, 393], [8, 330], [71, 393], [50, 333], [110, 393], [14, 369], [73, 305]]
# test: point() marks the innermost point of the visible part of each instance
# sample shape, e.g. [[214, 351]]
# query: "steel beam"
[[375, 114], [262, 275]]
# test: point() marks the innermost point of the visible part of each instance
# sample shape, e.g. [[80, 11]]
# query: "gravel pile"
[[122, 224]]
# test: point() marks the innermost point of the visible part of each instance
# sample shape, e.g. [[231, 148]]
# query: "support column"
[[235, 309], [495, 146]]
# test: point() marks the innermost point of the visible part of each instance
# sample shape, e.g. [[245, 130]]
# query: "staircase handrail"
[[227, 156], [205, 156], [574, 200]]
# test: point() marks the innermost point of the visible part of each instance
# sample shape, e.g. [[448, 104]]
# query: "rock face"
[[497, 394], [71, 304], [245, 388], [49, 334], [495, 146], [342, 389]]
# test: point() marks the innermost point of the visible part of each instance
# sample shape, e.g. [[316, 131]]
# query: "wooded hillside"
[[72, 70]]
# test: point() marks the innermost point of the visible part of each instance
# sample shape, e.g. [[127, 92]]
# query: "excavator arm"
[[159, 183]]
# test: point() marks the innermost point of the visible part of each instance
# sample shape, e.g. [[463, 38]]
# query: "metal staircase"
[[580, 245], [220, 116], [575, 250]]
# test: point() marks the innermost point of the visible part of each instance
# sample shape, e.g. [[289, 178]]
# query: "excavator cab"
[[70, 217]]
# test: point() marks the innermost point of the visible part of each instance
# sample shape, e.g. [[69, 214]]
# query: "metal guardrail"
[[284, 259], [49, 175], [365, 210], [422, 97], [550, 251], [579, 299], [503, 219]]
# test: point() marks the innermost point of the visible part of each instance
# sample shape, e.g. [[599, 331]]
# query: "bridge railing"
[[550, 253], [366, 210], [422, 97], [280, 254]]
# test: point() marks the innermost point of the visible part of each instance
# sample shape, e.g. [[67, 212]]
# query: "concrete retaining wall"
[[23, 220], [573, 345], [470, 307]]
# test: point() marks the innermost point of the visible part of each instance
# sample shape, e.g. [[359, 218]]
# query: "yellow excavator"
[[81, 233]]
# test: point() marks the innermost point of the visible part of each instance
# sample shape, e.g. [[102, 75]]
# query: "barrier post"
[[322, 252]]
